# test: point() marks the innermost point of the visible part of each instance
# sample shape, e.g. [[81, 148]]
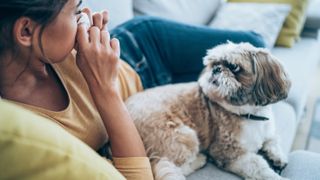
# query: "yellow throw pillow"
[[32, 147], [293, 25]]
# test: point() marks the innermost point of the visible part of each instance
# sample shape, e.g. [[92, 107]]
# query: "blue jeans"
[[163, 51]]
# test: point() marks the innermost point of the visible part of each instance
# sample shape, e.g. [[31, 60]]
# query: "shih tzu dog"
[[225, 116]]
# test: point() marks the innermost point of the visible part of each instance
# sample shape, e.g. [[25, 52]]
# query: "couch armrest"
[[312, 24], [313, 15]]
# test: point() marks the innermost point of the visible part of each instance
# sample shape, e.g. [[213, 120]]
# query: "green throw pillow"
[[293, 25]]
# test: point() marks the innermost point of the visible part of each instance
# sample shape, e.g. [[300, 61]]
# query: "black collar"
[[247, 116], [254, 117]]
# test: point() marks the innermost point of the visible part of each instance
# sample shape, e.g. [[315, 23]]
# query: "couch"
[[300, 60], [34, 147]]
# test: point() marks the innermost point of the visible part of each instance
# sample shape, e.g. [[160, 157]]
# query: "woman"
[[83, 91]]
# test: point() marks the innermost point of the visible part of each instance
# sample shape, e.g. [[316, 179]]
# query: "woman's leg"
[[163, 51]]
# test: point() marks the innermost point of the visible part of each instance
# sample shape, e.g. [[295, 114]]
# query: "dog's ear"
[[272, 82]]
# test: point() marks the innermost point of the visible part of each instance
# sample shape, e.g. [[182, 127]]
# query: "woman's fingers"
[[105, 20], [97, 56], [105, 38], [84, 19], [94, 34], [115, 45], [100, 20], [98, 32], [82, 35], [88, 12], [97, 20]]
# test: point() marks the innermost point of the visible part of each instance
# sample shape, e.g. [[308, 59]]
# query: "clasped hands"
[[97, 54]]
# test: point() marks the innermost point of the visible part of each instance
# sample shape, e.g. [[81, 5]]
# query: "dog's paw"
[[200, 161], [279, 168], [279, 163]]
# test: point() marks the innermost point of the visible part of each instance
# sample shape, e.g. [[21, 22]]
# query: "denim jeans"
[[163, 51]]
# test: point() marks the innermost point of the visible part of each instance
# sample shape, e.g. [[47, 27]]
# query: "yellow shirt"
[[82, 119]]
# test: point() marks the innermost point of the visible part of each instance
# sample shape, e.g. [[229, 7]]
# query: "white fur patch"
[[166, 170], [191, 167], [253, 166]]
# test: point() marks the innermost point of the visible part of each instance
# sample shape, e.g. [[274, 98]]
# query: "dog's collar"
[[254, 117], [247, 116]]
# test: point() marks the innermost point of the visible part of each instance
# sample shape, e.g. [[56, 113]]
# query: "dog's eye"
[[234, 67]]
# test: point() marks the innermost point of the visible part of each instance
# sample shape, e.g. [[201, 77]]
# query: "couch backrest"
[[198, 12]]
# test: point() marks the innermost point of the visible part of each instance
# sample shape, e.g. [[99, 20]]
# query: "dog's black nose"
[[216, 70]]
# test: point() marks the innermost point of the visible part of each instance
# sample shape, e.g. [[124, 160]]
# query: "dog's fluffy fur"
[[182, 124]]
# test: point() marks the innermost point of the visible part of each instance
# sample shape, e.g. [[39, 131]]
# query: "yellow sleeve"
[[129, 81], [134, 168]]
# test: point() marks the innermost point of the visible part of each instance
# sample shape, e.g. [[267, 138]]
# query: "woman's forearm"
[[98, 61], [123, 135]]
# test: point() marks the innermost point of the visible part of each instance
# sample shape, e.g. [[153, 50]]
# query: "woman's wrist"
[[123, 135], [103, 91], [108, 102]]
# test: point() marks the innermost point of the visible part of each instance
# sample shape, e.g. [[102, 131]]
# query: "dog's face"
[[240, 74]]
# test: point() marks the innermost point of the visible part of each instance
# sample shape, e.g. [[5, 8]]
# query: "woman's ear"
[[23, 31]]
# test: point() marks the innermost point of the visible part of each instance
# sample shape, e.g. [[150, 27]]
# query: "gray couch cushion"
[[301, 63], [285, 125], [211, 172], [313, 15], [303, 165]]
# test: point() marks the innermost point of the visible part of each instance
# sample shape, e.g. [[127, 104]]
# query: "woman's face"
[[58, 38]]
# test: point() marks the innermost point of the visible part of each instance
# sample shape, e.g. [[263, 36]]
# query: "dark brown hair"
[[42, 12]]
